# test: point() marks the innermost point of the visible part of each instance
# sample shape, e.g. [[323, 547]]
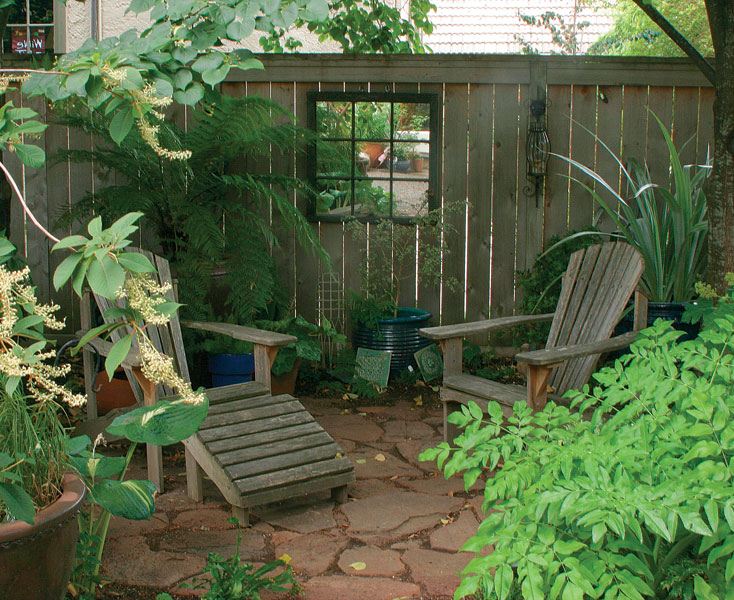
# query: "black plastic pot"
[[669, 311], [399, 336]]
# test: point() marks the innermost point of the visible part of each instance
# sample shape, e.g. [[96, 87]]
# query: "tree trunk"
[[720, 187]]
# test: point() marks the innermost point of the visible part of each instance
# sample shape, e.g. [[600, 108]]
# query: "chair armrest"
[[103, 347], [445, 332], [541, 358], [239, 332]]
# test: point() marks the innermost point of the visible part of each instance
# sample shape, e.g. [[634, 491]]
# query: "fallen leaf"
[[435, 388], [362, 414], [360, 461], [285, 558], [394, 477], [419, 383], [418, 400], [338, 455], [346, 411], [380, 458], [445, 521], [358, 566], [550, 389]]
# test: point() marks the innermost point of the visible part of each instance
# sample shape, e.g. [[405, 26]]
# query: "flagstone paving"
[[398, 535]]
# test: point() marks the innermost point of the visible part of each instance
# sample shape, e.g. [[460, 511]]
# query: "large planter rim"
[[673, 305], [407, 315], [49, 518]]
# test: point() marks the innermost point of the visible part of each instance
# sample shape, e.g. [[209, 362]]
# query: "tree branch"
[[704, 66]]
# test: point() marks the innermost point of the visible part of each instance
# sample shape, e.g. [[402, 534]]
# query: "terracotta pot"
[[373, 150], [37, 559], [416, 164], [113, 394], [285, 383]]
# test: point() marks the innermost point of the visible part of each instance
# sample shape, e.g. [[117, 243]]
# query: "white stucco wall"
[[112, 21]]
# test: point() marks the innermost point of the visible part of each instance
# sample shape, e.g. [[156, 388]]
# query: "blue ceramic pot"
[[228, 369]]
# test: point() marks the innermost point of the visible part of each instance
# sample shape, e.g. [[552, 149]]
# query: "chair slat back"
[[166, 339], [596, 287]]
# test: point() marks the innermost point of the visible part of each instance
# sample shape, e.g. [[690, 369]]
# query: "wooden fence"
[[482, 154]]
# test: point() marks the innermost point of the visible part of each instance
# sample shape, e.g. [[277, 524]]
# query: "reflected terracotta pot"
[[36, 560]]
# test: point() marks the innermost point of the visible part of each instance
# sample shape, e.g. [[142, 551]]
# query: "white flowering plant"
[[31, 399]]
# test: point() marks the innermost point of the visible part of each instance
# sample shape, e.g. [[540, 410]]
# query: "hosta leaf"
[[130, 499], [168, 422]]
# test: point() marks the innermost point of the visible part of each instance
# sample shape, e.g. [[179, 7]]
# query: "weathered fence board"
[[479, 228], [484, 112]]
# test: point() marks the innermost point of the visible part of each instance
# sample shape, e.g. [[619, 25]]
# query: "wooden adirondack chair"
[[257, 448], [596, 287]]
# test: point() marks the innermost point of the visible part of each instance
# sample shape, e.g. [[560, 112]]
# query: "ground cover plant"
[[634, 503]]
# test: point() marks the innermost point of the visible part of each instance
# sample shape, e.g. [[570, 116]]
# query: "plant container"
[[373, 150], [398, 335], [114, 393], [285, 383], [36, 560], [228, 369], [669, 311], [416, 164]]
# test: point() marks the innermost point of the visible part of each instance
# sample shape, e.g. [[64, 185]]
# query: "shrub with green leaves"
[[635, 502]]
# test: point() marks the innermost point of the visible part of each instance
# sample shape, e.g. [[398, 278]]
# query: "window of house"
[[30, 27], [375, 154]]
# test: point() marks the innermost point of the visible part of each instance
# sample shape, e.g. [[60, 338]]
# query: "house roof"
[[491, 26]]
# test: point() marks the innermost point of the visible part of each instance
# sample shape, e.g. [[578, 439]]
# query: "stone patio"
[[401, 528]]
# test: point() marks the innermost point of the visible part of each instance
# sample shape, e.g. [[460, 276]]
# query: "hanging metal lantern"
[[537, 148]]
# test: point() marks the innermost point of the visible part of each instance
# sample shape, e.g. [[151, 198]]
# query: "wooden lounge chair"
[[596, 287], [257, 448]]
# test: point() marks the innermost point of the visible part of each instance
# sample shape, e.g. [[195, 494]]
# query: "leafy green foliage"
[[485, 364], [604, 507], [180, 55], [14, 124], [207, 218], [540, 286], [232, 579], [365, 389], [307, 347], [634, 34], [563, 35], [667, 225], [391, 258], [363, 26]]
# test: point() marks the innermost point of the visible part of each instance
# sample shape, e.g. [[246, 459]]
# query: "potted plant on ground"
[[372, 122], [307, 347], [36, 450], [379, 322], [39, 499], [668, 225]]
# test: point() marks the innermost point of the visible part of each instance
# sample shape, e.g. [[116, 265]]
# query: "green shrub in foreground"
[[611, 507]]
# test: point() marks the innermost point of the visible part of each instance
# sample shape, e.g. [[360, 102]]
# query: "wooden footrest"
[[262, 449]]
